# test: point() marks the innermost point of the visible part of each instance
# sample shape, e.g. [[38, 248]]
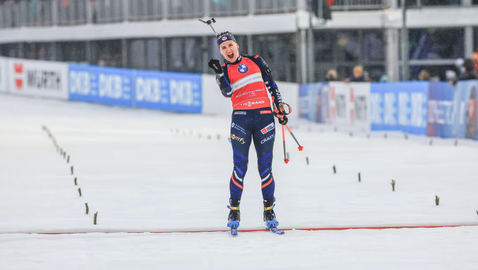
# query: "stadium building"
[[166, 34]]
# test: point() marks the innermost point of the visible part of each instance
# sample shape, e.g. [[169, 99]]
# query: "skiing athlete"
[[245, 79]]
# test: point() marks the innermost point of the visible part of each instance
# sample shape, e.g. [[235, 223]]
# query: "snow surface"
[[152, 171]]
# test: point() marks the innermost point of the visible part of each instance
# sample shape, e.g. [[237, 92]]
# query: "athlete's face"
[[230, 50]]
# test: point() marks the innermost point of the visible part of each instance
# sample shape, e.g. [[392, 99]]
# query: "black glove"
[[215, 65], [281, 116]]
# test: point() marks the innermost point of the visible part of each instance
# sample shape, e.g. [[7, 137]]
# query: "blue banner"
[[400, 106], [441, 110], [313, 102], [104, 85], [467, 104], [179, 92], [383, 106]]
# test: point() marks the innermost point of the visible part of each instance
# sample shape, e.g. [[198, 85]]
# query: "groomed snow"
[[152, 171]]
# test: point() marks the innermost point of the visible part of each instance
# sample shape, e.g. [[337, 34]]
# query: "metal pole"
[[310, 48], [404, 43]]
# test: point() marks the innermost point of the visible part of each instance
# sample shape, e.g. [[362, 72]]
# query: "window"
[[144, 54], [436, 43], [107, 53], [278, 50], [71, 52], [343, 49], [38, 51], [185, 55]]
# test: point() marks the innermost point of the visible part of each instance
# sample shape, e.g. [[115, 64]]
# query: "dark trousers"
[[252, 126]]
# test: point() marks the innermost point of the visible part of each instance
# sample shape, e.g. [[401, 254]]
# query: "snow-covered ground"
[[151, 171]]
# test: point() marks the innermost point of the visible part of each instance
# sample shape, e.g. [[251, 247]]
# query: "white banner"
[[360, 97], [38, 78], [340, 106], [349, 106], [3, 74]]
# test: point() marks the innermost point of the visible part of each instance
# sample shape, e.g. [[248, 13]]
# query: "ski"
[[275, 230], [234, 231]]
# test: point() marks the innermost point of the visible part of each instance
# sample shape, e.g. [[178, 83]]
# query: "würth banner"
[[3, 75], [38, 78]]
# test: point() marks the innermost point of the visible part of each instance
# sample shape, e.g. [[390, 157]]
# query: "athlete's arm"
[[221, 77], [269, 81], [223, 82]]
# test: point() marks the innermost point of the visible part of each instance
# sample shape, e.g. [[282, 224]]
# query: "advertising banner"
[[310, 102], [400, 106], [442, 114], [360, 99], [3, 75], [340, 105], [383, 106], [412, 107], [467, 106], [168, 91], [38, 78], [104, 85]]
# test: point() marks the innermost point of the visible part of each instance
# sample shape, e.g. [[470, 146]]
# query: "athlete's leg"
[[241, 140], [264, 135]]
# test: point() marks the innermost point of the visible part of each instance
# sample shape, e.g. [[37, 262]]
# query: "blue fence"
[[103, 85], [420, 108], [466, 101], [442, 114], [179, 92], [399, 106], [168, 91]]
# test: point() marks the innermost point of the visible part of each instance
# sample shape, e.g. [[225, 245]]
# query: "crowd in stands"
[[466, 69]]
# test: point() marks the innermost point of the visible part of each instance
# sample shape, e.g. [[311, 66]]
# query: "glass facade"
[[279, 51], [144, 54], [184, 54], [343, 49], [436, 43]]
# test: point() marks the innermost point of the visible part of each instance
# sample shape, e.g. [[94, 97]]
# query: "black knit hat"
[[225, 36]]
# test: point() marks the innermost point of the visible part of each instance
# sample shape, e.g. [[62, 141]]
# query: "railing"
[[38, 12], [108, 11], [7, 15], [360, 4], [275, 6], [71, 12], [220, 8], [180, 9], [145, 10]]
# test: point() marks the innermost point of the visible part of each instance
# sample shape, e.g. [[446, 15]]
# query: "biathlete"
[[245, 79]]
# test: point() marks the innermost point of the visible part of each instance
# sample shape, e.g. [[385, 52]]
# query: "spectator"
[[331, 75], [424, 75], [467, 73], [358, 75]]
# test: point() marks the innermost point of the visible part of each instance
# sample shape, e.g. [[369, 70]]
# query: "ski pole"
[[209, 22], [300, 147], [286, 160]]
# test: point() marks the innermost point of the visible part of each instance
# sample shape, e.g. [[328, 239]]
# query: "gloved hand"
[[215, 65], [281, 116]]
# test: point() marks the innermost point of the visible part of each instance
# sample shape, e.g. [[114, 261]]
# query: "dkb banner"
[[442, 114], [169, 91], [466, 102], [400, 106], [104, 85]]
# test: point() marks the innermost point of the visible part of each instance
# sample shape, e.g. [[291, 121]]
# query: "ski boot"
[[270, 217], [234, 216]]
